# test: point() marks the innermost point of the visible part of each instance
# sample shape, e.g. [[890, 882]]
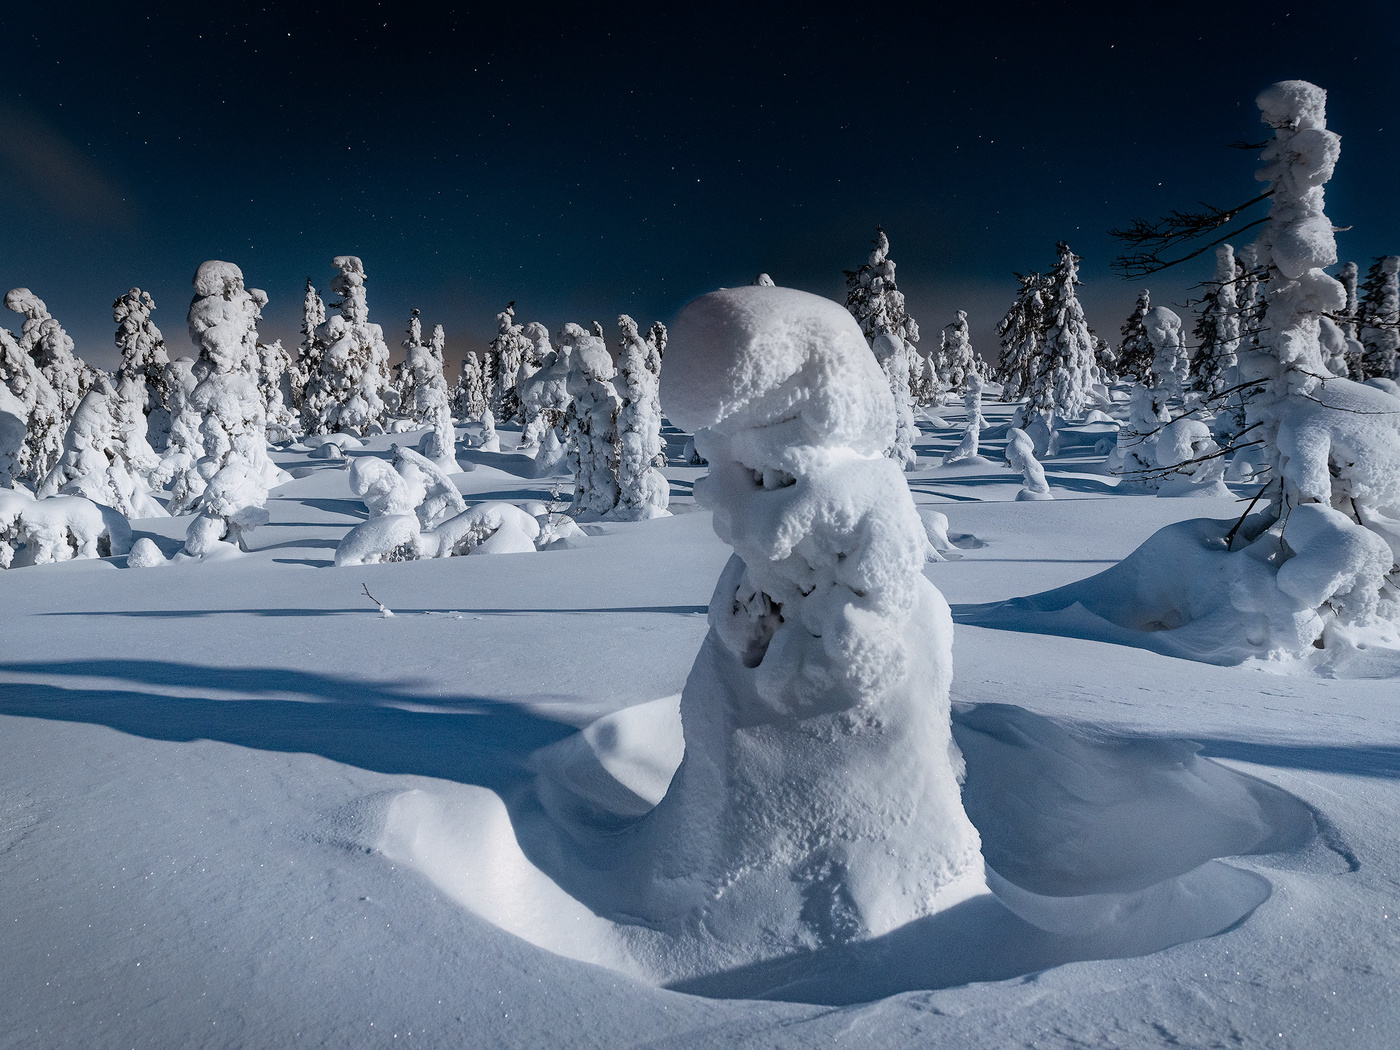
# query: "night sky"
[[586, 163]]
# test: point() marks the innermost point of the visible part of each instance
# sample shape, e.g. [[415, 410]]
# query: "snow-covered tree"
[[656, 339], [1106, 358], [42, 414], [544, 402], [1171, 362], [1065, 372], [1022, 336], [818, 800], [345, 393], [1020, 454], [957, 360], [44, 339], [431, 404], [1349, 317], [229, 482], [1217, 329], [275, 386], [969, 446], [470, 395], [592, 427], [534, 425], [508, 350], [106, 457], [309, 351], [1380, 319], [643, 491], [1135, 352], [143, 360], [875, 301]]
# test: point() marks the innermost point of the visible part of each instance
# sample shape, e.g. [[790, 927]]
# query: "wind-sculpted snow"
[[60, 528]]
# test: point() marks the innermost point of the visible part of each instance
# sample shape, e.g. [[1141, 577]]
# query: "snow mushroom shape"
[[818, 801]]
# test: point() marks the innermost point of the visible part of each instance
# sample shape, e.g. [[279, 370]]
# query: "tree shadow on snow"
[[467, 739]]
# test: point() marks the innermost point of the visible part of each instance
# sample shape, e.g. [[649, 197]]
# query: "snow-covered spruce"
[[228, 482], [29, 455], [818, 799], [1217, 329], [43, 531], [875, 301], [544, 403], [956, 359], [431, 404], [1135, 352], [470, 394], [592, 426], [1379, 328], [533, 424], [309, 350], [1022, 336], [275, 386], [44, 339], [143, 360], [345, 392], [508, 350], [1313, 574], [643, 491], [972, 399], [106, 456], [1065, 370], [1020, 454]]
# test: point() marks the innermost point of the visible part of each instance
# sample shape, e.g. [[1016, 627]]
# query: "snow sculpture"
[[643, 491], [818, 800], [972, 398], [228, 483], [44, 339], [1022, 336], [876, 302], [344, 394], [592, 426], [1020, 454], [39, 411], [43, 531], [106, 456], [143, 361]]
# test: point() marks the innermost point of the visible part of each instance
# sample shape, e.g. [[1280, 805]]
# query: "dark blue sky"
[[586, 163]]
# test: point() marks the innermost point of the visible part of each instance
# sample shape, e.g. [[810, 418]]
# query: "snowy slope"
[[198, 764]]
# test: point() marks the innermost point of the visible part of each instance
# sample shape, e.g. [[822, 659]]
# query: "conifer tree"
[[957, 360], [1217, 329], [313, 315], [345, 393], [643, 491], [1065, 373], [1349, 275], [1022, 336], [143, 361], [44, 339], [1135, 351], [1380, 318]]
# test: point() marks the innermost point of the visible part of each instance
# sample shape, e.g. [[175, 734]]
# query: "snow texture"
[[818, 801]]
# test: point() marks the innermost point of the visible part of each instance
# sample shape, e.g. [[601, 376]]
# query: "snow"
[[343, 796]]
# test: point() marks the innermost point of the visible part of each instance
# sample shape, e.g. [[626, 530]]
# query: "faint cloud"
[[46, 166]]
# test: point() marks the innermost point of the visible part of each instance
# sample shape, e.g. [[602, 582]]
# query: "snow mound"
[[60, 528], [145, 555]]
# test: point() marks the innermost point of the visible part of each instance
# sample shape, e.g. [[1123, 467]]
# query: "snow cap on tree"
[[643, 491], [1022, 336], [1065, 371], [1217, 330]]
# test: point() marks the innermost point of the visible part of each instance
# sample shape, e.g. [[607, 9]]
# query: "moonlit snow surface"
[[239, 807]]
